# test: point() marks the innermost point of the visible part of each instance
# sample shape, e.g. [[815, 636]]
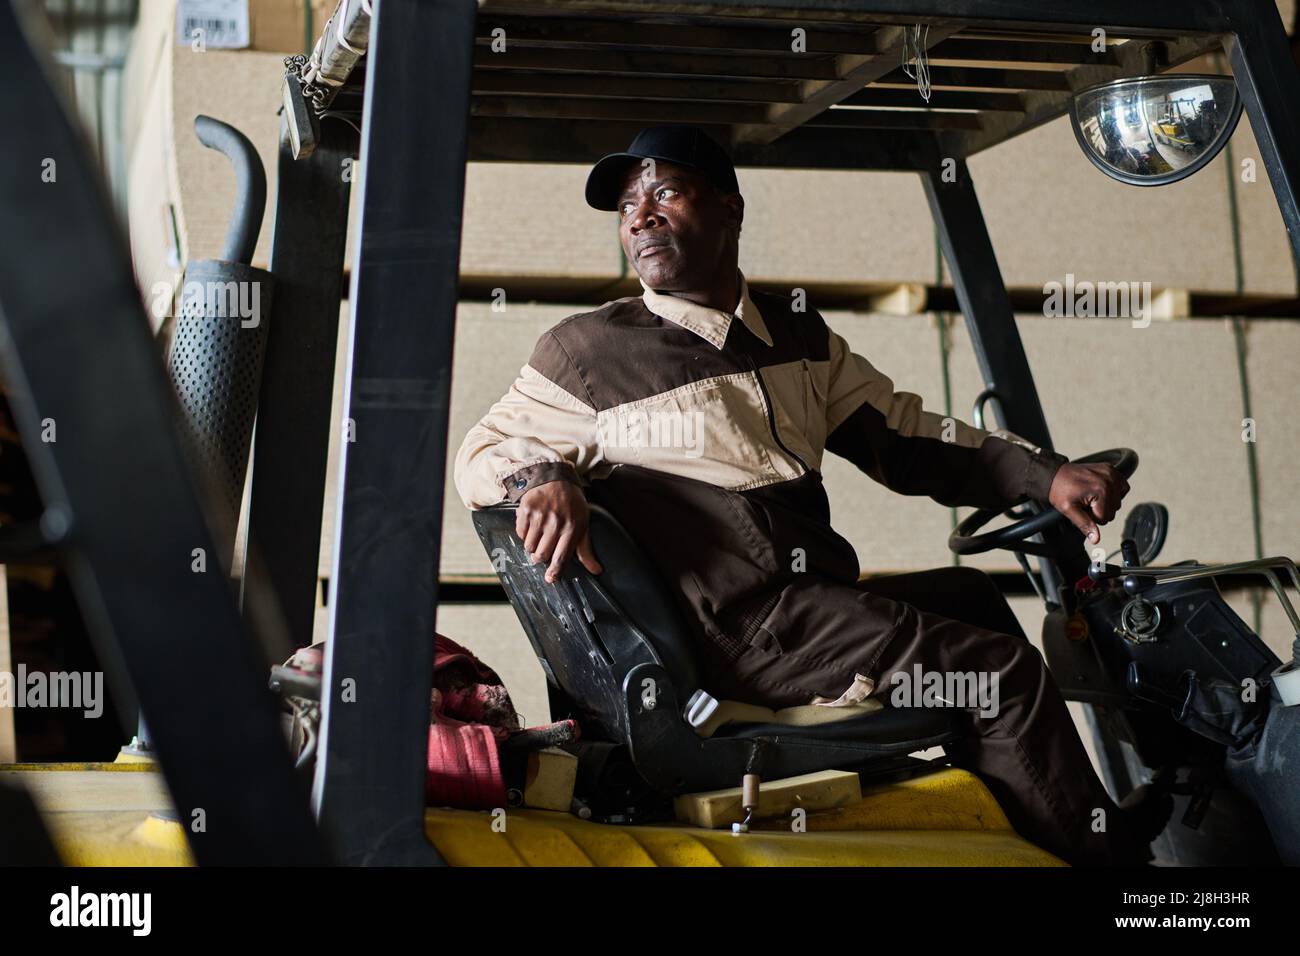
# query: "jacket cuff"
[[518, 483], [1040, 469]]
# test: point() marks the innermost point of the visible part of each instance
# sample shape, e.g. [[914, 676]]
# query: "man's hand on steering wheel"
[[1088, 495], [1085, 492]]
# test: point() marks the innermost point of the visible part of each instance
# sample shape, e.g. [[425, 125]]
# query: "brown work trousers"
[[1029, 754]]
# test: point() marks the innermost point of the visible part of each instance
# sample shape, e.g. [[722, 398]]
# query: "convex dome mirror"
[[1152, 130]]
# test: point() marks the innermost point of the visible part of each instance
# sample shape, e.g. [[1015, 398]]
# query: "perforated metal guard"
[[215, 366]]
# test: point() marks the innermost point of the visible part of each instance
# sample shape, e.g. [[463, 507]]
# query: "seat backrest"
[[589, 630]]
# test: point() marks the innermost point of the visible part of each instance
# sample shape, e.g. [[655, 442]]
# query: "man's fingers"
[[551, 519], [551, 531], [1108, 500], [1088, 495], [587, 556], [534, 535], [563, 547], [1083, 521], [527, 527]]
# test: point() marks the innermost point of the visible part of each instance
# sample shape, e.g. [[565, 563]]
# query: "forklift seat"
[[618, 655]]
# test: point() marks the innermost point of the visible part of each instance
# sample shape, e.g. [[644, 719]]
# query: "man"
[[699, 412]]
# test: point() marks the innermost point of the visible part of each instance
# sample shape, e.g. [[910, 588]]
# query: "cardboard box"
[[287, 26], [275, 26]]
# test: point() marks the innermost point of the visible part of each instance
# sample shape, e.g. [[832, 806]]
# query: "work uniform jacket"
[[703, 432]]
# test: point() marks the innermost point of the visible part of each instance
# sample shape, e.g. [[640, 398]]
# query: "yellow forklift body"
[[121, 815]]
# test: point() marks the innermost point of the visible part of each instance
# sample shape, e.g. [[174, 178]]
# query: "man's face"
[[677, 230]]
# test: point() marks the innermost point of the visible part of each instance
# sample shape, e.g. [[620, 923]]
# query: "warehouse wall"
[[1098, 383], [1172, 391]]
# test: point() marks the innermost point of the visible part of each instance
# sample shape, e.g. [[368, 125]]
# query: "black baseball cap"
[[680, 144]]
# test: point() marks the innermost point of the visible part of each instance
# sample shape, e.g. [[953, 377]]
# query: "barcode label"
[[218, 24]]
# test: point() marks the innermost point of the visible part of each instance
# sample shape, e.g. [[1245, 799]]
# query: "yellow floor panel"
[[108, 815], [947, 818], [545, 838], [118, 838], [101, 814], [107, 786], [947, 800]]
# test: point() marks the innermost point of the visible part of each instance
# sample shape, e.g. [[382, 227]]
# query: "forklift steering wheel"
[[1014, 537]]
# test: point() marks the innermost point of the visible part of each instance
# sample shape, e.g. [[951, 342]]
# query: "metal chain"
[[297, 66]]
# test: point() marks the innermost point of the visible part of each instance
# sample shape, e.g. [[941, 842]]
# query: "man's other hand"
[[1088, 495], [552, 523]]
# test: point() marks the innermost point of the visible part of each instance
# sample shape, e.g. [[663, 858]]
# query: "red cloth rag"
[[470, 712]]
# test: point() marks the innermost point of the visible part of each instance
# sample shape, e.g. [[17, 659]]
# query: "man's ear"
[[735, 204]]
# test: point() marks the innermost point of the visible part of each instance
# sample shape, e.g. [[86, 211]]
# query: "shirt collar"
[[709, 324]]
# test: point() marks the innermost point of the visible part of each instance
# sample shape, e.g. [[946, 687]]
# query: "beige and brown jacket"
[[703, 432]]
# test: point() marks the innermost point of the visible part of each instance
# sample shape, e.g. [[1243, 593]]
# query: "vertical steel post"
[[371, 770], [293, 416], [1270, 89]]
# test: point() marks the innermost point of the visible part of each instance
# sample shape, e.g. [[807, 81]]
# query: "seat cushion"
[[806, 715]]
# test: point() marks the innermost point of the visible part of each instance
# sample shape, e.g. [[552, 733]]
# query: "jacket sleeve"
[[539, 431], [888, 435]]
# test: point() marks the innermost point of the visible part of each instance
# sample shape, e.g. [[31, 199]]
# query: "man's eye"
[[666, 189]]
